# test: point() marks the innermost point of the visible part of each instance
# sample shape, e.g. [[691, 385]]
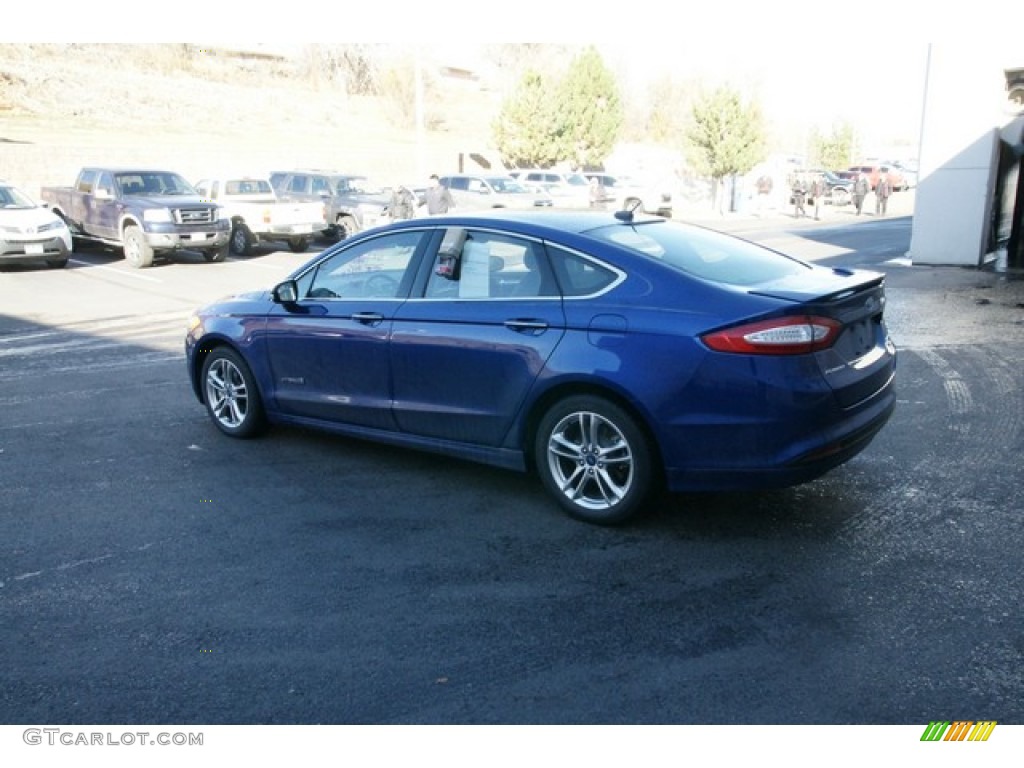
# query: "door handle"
[[534, 327], [368, 318]]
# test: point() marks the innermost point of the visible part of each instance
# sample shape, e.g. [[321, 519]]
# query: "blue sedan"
[[613, 355]]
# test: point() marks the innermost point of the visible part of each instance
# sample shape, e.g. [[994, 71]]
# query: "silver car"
[[477, 191], [30, 232]]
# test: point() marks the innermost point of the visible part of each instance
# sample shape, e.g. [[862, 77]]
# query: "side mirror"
[[286, 292]]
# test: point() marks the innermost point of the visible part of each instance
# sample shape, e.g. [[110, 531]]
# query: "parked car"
[[354, 202], [624, 192], [567, 190], [896, 178], [257, 215], [30, 232], [475, 191], [148, 213], [611, 354]]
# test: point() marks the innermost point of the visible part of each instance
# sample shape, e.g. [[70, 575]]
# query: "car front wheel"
[[231, 396], [241, 239], [595, 460], [137, 252]]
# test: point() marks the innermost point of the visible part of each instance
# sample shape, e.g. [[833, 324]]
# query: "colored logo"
[[958, 730]]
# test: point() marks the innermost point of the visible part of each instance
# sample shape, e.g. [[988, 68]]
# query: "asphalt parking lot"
[[153, 571]]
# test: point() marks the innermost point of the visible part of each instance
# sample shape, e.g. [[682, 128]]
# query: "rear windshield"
[[703, 253]]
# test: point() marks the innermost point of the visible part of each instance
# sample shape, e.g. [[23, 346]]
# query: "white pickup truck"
[[257, 215]]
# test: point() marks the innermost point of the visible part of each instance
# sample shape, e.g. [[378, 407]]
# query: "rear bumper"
[[819, 453]]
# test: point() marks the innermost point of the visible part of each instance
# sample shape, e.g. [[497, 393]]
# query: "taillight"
[[780, 336]]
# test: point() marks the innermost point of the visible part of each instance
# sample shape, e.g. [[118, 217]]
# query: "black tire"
[[231, 396], [57, 263], [137, 252], [605, 482], [345, 227], [241, 239], [298, 244], [216, 254]]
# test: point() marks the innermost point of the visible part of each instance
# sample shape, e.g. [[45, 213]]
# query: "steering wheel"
[[381, 286], [322, 293]]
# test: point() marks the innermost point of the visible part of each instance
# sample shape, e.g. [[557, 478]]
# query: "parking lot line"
[[116, 271]]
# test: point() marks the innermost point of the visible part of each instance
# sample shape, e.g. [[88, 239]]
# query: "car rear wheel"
[[345, 227], [595, 460], [298, 244], [231, 396], [57, 263], [137, 251]]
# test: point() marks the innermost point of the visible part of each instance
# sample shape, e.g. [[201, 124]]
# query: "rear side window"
[[578, 276], [703, 253]]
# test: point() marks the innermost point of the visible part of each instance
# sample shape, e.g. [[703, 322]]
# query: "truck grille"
[[194, 216]]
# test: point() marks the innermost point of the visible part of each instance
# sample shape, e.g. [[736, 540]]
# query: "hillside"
[[64, 106]]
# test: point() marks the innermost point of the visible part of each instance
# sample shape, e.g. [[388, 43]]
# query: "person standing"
[[598, 195], [764, 191], [403, 203], [861, 187], [439, 199], [799, 196], [882, 191], [817, 194]]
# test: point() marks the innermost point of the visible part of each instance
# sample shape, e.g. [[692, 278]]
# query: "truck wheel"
[[136, 250], [346, 227], [241, 239], [298, 244], [216, 254]]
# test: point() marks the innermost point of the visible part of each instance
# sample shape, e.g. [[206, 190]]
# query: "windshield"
[[703, 253], [247, 187], [509, 185], [153, 183], [11, 197], [358, 185]]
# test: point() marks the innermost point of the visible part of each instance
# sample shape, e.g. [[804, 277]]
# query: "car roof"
[[320, 172], [550, 221]]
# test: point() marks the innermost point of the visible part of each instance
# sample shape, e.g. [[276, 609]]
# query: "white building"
[[970, 199]]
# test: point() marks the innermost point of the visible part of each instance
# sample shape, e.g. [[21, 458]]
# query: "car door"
[[328, 351], [106, 208], [469, 344]]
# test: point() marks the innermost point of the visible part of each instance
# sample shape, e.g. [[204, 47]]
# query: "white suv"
[[471, 190], [567, 190], [623, 192]]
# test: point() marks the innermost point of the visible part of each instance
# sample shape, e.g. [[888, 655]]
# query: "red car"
[[896, 179]]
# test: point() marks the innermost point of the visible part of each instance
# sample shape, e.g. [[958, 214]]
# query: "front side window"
[[372, 269], [298, 184], [105, 182]]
